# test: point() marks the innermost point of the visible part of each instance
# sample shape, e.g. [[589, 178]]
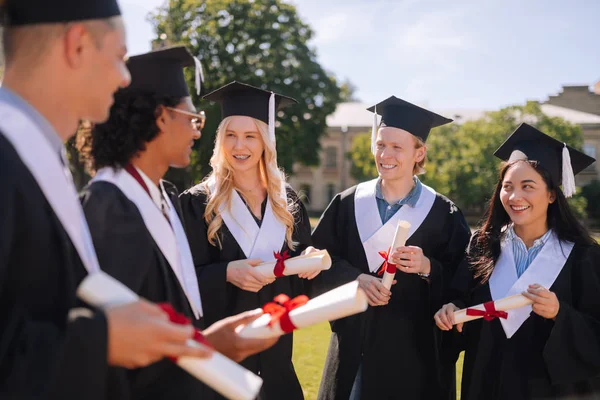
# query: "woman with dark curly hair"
[[531, 244], [134, 215]]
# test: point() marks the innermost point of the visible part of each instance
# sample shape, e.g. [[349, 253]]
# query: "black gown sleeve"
[[212, 273], [445, 264], [119, 234], [329, 235], [572, 352]]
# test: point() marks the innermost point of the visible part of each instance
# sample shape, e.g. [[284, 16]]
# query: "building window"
[[331, 157], [589, 149], [330, 192], [305, 194]]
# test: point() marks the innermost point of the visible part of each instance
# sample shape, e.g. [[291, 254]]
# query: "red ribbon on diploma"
[[280, 265], [280, 310], [387, 266], [490, 312], [181, 319]]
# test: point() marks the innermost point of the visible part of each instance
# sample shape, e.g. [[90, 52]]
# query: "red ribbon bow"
[[181, 319], [387, 266], [490, 312], [280, 310], [280, 265]]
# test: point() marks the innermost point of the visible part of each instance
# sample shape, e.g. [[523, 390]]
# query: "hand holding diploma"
[[312, 261], [450, 314], [285, 315], [140, 335], [219, 372], [388, 269]]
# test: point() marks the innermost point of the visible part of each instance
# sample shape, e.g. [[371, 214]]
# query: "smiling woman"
[[531, 244], [246, 201]]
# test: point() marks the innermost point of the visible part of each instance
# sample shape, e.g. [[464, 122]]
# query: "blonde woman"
[[241, 215]]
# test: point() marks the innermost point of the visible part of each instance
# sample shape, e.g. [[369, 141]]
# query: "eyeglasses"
[[198, 120]]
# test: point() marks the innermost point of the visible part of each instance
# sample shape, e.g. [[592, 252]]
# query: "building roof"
[[355, 115]]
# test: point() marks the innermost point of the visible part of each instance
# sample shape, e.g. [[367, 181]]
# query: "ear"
[[421, 152], [163, 118], [552, 197], [76, 39]]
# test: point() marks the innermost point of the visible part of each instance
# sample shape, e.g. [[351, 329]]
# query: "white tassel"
[[374, 132], [272, 118], [199, 75], [568, 178]]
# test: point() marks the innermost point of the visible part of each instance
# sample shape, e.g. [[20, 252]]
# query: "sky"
[[480, 54]]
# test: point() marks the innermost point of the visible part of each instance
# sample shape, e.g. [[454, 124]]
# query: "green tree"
[[263, 43], [348, 91], [363, 165], [460, 157]]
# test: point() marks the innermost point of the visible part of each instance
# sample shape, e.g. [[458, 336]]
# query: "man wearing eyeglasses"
[[134, 215]]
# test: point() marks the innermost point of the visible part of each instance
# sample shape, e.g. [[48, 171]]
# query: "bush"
[[591, 192]]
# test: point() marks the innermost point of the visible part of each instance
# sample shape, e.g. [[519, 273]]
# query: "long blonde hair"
[[222, 174]]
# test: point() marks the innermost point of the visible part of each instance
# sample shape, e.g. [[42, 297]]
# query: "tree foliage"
[[363, 165]]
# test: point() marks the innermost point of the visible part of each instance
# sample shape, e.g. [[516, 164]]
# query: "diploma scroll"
[[219, 372], [338, 303], [399, 240], [502, 305], [317, 261]]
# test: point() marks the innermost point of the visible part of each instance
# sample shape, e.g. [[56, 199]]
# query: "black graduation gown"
[[43, 354], [398, 344], [222, 299], [544, 359], [127, 251]]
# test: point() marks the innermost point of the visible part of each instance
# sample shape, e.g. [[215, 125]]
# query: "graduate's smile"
[[519, 208], [387, 166]]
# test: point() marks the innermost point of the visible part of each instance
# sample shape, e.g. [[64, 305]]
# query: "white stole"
[[374, 235], [53, 178], [171, 239], [256, 242], [544, 270]]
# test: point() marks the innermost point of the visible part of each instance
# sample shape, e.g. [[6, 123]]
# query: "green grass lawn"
[[310, 350]]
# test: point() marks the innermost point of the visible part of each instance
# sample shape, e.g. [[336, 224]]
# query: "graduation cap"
[[32, 12], [161, 71], [401, 114], [562, 162], [238, 98]]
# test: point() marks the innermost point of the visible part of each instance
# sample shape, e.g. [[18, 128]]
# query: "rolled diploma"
[[338, 303], [399, 240], [219, 372], [320, 260], [505, 304]]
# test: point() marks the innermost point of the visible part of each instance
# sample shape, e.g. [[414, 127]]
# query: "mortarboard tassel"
[[272, 117], [374, 131], [199, 75], [568, 178]]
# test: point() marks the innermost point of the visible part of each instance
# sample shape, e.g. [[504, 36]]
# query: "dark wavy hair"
[[485, 246], [131, 124]]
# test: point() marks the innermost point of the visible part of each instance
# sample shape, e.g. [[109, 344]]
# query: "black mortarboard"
[[238, 98], [161, 71], [401, 114], [561, 161], [32, 12]]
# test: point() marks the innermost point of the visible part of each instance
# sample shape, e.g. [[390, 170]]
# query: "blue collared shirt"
[[10, 97], [524, 256], [387, 210]]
